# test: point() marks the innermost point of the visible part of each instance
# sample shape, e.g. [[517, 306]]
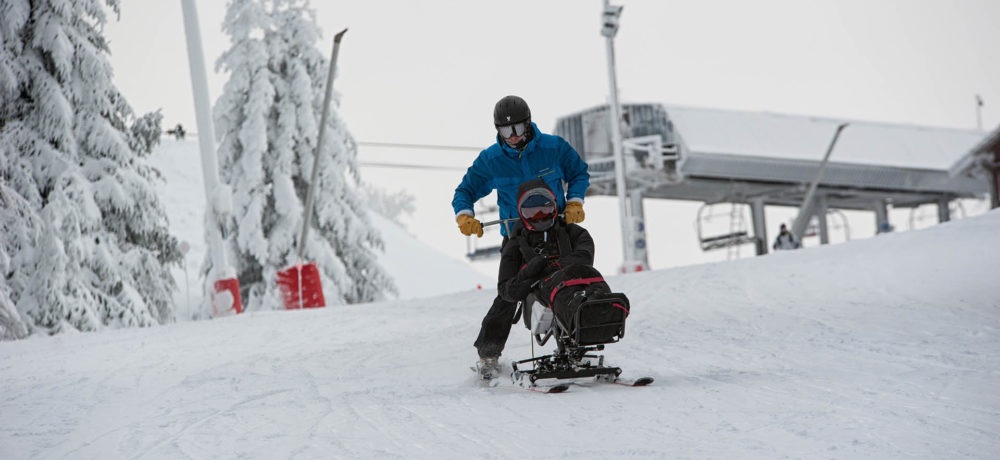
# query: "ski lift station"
[[983, 163], [818, 165]]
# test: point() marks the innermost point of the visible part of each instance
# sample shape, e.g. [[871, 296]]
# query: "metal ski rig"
[[568, 362], [571, 361]]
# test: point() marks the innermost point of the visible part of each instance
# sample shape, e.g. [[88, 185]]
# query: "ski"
[[638, 382], [555, 388], [558, 388], [552, 389]]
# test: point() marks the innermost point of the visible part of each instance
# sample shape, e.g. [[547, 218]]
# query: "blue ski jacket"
[[502, 168]]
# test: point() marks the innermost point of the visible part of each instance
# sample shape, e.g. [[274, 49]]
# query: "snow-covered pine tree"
[[268, 122], [92, 247], [19, 229], [391, 205]]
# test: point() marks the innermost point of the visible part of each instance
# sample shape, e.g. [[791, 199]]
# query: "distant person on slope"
[[786, 240], [521, 153]]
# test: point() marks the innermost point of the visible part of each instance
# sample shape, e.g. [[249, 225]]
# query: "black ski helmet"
[[510, 110]]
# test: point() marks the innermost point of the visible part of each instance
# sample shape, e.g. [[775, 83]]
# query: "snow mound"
[[419, 270]]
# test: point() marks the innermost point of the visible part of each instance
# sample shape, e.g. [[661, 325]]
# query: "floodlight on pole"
[[610, 18]]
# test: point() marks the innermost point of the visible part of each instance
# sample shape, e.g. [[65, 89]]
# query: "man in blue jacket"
[[521, 153]]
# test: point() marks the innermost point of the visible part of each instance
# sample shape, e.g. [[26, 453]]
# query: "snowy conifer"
[[19, 228], [268, 122], [91, 244], [391, 205]]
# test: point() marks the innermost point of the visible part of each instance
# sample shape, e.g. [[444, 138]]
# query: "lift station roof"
[[739, 156]]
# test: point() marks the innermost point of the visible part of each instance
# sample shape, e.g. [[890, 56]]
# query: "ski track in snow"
[[881, 348]]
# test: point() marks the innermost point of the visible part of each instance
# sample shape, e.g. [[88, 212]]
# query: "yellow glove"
[[469, 225], [574, 212]]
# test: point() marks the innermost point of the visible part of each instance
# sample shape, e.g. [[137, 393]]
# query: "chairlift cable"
[[376, 164], [415, 146], [420, 146]]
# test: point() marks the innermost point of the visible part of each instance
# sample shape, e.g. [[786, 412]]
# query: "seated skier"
[[541, 243], [537, 245], [547, 265]]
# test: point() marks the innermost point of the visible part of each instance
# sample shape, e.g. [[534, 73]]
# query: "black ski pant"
[[495, 329], [496, 325]]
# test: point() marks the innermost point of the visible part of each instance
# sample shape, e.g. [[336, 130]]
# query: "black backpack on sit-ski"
[[584, 304]]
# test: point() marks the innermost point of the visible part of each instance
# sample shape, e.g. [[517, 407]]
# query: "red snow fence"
[[226, 298], [301, 287]]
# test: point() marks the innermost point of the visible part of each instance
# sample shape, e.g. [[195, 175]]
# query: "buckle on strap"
[[576, 282]]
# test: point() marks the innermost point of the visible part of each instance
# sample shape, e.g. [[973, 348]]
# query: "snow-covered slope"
[[419, 270], [883, 348], [183, 195]]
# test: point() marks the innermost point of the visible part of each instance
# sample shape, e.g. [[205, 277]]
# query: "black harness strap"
[[562, 241]]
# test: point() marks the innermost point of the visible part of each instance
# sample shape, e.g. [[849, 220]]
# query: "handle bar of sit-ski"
[[500, 221], [504, 221]]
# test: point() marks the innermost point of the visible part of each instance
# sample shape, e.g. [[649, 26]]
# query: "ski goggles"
[[516, 129], [538, 207]]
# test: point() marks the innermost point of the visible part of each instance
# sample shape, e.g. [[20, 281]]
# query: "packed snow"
[[880, 348]]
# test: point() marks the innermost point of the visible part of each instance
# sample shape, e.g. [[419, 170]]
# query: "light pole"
[[609, 21], [225, 293]]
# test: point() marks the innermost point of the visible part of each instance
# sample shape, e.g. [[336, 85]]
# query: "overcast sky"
[[430, 71]]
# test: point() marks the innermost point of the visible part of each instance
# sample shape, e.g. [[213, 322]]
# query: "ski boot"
[[488, 368]]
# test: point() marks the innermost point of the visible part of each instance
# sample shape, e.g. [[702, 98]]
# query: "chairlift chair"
[[737, 232], [920, 216]]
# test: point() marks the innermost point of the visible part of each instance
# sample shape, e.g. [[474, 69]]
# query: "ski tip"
[[642, 381], [558, 388]]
